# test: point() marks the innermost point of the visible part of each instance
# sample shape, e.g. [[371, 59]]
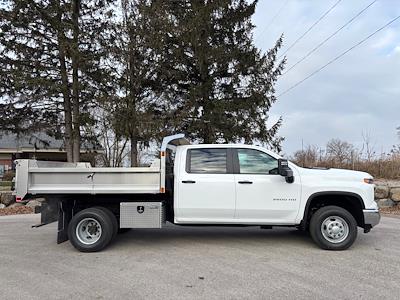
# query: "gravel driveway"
[[197, 263]]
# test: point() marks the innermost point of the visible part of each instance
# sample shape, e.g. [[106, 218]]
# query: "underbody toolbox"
[[142, 214]]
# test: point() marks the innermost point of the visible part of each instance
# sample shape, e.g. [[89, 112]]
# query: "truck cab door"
[[205, 186], [262, 195]]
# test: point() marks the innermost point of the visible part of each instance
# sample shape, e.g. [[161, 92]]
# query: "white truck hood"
[[337, 174], [337, 180]]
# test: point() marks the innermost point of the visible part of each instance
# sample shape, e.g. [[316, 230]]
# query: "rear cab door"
[[204, 185]]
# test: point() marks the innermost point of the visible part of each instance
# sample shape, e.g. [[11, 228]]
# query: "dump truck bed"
[[59, 178], [40, 177]]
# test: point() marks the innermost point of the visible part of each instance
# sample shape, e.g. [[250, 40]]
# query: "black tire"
[[105, 223], [113, 219], [317, 230]]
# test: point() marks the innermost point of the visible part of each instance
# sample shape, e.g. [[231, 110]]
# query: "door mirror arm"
[[285, 171]]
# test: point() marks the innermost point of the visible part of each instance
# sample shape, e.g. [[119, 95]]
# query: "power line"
[[329, 37], [273, 19], [339, 56], [310, 28]]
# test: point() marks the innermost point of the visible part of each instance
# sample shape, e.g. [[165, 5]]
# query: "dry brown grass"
[[16, 210], [395, 210]]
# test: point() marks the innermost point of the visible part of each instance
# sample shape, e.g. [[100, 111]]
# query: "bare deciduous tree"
[[309, 156], [340, 151], [344, 155], [368, 146]]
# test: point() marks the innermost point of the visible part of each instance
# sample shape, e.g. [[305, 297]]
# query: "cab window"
[[256, 162], [207, 161]]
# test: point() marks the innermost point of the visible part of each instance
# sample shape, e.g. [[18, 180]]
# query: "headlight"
[[369, 180]]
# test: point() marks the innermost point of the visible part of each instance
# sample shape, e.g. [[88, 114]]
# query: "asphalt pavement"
[[197, 263]]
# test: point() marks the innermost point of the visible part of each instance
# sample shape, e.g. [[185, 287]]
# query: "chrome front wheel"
[[335, 229]]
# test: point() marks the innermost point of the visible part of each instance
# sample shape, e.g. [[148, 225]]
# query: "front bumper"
[[371, 217]]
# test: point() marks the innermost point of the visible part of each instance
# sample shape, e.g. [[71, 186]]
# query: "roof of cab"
[[262, 149]]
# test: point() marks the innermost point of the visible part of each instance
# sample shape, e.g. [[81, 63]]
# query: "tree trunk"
[[134, 151], [205, 101], [65, 91], [75, 81], [132, 106]]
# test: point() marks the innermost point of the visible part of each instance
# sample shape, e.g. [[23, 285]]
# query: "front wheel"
[[90, 230], [333, 228]]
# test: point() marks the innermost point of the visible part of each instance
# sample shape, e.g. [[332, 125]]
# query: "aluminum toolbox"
[[142, 214]]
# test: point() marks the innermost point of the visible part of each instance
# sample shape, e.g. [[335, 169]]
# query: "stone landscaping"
[[387, 193], [8, 206]]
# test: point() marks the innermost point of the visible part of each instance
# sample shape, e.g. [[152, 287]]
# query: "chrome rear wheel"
[[91, 229], [88, 231]]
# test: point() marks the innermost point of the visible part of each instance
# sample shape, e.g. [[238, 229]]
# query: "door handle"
[[188, 181], [246, 182]]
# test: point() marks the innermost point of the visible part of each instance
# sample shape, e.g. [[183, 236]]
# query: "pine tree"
[[136, 112], [220, 85], [51, 64]]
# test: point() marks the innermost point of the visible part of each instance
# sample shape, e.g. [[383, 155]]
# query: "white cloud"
[[386, 39], [396, 50]]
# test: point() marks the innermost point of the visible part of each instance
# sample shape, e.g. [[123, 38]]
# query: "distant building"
[[38, 146]]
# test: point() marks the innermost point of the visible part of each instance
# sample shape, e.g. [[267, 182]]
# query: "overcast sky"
[[359, 92]]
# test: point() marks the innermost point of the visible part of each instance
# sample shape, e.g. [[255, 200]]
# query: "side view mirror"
[[285, 171]]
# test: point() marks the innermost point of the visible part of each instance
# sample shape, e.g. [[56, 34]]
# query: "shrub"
[[8, 176]]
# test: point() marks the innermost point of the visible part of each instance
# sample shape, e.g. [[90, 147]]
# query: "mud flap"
[[65, 212], [49, 211], [57, 209]]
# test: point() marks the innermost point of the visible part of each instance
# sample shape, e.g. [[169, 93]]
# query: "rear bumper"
[[371, 217]]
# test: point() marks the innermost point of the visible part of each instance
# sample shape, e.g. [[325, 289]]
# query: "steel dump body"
[[64, 178], [58, 178]]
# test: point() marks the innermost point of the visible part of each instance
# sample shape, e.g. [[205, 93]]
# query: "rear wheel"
[[333, 228], [90, 230], [113, 219]]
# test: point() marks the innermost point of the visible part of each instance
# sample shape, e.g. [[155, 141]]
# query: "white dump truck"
[[215, 184]]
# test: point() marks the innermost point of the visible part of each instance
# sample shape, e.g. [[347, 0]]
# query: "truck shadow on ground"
[[173, 234]]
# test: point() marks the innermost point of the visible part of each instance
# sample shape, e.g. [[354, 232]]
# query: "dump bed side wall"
[[33, 178], [91, 181]]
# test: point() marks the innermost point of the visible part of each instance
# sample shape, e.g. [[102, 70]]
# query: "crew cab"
[[204, 184]]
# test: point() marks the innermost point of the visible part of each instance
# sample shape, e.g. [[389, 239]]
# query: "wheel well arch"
[[352, 202]]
